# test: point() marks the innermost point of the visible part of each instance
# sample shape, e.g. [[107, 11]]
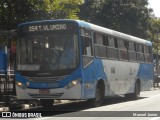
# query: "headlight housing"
[[73, 83], [20, 84]]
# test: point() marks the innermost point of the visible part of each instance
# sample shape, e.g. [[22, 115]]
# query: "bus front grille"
[[45, 79], [55, 95]]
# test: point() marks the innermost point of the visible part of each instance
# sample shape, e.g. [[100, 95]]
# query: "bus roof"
[[98, 29], [113, 33]]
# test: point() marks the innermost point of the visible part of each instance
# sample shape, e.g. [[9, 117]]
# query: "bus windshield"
[[50, 52]]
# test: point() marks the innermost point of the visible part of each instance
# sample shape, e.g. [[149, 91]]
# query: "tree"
[[13, 12], [90, 10], [128, 16], [60, 9], [154, 32]]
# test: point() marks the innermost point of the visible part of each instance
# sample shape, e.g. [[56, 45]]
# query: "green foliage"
[[128, 16], [13, 12], [154, 33], [60, 9], [154, 26]]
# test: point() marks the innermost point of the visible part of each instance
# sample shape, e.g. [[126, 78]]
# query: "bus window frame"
[[130, 51], [104, 44], [122, 47], [140, 53], [112, 47], [85, 57]]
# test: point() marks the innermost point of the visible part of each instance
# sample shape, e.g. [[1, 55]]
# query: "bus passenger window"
[[122, 49], [147, 52], [100, 49], [87, 46], [105, 40], [132, 52], [140, 53], [111, 41], [112, 48], [87, 50], [98, 39]]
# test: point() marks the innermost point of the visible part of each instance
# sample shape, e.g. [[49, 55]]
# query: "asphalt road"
[[146, 108]]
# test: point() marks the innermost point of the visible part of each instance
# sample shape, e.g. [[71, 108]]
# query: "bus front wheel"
[[99, 98], [47, 103]]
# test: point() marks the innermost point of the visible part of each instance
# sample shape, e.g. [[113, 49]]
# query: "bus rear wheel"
[[47, 103], [136, 94]]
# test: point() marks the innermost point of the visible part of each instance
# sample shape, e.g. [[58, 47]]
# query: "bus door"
[[88, 66]]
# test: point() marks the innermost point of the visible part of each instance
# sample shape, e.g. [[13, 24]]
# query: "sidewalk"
[[2, 109]]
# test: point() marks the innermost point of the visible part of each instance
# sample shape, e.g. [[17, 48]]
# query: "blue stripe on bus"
[[143, 70], [91, 74], [3, 62], [84, 24], [94, 71], [40, 85], [148, 43]]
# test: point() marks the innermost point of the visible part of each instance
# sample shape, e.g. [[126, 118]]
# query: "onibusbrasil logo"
[[20, 115]]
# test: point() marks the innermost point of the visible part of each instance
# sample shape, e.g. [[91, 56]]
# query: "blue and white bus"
[[77, 60]]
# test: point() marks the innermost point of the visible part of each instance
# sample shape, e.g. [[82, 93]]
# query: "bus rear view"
[[47, 61]]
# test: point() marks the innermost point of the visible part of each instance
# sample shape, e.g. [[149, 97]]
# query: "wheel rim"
[[137, 90], [98, 98]]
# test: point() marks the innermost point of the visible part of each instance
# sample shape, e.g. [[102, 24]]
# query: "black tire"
[[137, 91], [136, 94], [47, 103], [99, 98]]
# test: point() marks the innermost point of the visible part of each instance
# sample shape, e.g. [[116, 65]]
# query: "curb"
[[2, 109]]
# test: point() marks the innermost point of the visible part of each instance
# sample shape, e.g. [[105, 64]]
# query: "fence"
[[7, 88]]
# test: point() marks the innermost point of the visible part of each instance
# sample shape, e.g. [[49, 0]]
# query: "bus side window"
[[122, 49], [112, 48], [87, 52], [111, 41], [147, 52], [87, 46], [105, 40], [132, 52], [100, 43], [87, 42], [140, 53]]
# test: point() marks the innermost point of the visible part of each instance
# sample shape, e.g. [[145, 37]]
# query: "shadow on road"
[[75, 106]]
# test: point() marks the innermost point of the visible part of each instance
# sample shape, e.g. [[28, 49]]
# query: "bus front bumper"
[[73, 92]]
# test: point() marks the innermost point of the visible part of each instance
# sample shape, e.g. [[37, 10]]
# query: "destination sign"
[[51, 27], [48, 27]]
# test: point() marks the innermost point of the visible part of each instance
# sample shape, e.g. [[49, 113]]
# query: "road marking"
[[155, 96], [42, 118], [155, 118]]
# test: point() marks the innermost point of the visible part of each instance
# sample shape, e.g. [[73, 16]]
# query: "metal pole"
[[157, 64], [157, 59]]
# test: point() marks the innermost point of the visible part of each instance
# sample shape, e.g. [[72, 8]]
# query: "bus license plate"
[[44, 91]]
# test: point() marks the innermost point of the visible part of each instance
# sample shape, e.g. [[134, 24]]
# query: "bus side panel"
[[145, 74], [3, 62], [90, 75], [121, 76]]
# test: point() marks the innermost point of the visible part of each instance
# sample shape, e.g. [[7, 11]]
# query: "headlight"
[[73, 83], [19, 84]]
